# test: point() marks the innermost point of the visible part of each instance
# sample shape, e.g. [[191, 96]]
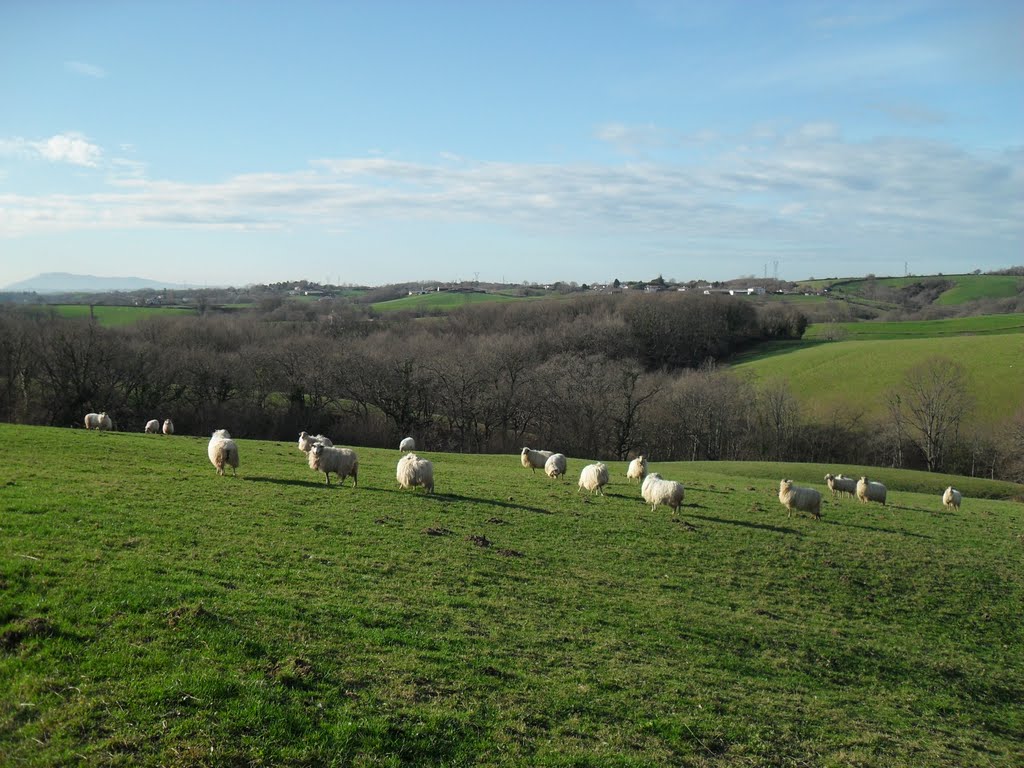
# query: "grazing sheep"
[[637, 469], [840, 484], [952, 498], [223, 452], [307, 441], [407, 444], [152, 427], [341, 461], [98, 421], [534, 460], [168, 427], [413, 471], [802, 499], [555, 465], [593, 477], [657, 491], [870, 490]]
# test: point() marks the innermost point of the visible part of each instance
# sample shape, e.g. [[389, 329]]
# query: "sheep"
[[637, 469], [952, 498], [98, 421], [152, 427], [168, 428], [840, 484], [802, 499], [593, 477], [413, 471], [307, 441], [870, 490], [555, 465], [656, 490], [223, 452], [341, 461], [407, 444], [534, 460]]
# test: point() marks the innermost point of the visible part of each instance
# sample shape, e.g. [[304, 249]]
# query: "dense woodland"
[[604, 376]]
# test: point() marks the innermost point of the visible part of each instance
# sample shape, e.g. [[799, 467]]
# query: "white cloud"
[[69, 148], [84, 68]]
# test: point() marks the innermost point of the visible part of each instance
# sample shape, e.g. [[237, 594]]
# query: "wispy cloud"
[[86, 69], [71, 148], [808, 186]]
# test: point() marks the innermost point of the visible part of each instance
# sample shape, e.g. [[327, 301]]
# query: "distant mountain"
[[64, 282]]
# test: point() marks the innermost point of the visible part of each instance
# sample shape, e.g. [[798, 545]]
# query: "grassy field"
[[152, 613], [967, 287], [440, 301], [116, 316], [960, 326], [858, 374]]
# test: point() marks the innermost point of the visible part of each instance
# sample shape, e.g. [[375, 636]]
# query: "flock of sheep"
[[412, 471]]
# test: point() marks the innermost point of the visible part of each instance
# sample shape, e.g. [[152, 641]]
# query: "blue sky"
[[373, 142]]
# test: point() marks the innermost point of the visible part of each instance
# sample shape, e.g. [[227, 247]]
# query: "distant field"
[[961, 326], [154, 614], [967, 288], [858, 374], [441, 301], [114, 316]]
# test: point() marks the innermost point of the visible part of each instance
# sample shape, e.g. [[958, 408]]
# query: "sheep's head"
[[829, 476], [525, 451], [317, 449], [785, 485]]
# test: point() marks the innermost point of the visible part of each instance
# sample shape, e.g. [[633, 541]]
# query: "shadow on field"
[[745, 524], [878, 530], [459, 497], [280, 481]]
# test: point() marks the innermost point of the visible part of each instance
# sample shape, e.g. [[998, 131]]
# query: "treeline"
[[596, 376]]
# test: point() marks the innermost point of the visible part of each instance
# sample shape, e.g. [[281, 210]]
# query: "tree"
[[933, 401]]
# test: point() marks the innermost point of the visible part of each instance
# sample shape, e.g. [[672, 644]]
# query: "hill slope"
[[153, 613], [65, 282]]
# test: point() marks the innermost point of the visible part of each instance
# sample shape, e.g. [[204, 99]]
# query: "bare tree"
[[933, 400]]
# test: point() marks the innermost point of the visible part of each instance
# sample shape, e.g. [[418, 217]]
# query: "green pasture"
[[856, 375], [115, 315], [440, 301], [960, 326], [967, 287], [155, 614]]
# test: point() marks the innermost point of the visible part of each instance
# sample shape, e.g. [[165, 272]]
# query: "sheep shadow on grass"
[[284, 481], [455, 497], [878, 530], [746, 524]]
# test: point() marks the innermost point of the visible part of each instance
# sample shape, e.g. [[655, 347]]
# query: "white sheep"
[[98, 421], [802, 499], [534, 460], [407, 444], [870, 490], [152, 427], [223, 452], [656, 490], [637, 469], [307, 441], [168, 428], [952, 498], [555, 465], [593, 477], [341, 461], [413, 471], [840, 484]]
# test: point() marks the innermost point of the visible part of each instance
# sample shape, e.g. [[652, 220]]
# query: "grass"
[[152, 613], [858, 374], [440, 301], [967, 287], [961, 326], [115, 315]]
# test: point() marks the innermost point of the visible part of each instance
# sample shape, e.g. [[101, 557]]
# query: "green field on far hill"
[[155, 614], [115, 315], [967, 287], [856, 375], [440, 301], [960, 326]]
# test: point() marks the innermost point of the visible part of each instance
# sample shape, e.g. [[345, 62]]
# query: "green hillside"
[[858, 374], [966, 287], [960, 326], [440, 301], [155, 614], [115, 316]]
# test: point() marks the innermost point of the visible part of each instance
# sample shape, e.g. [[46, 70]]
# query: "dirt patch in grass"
[[437, 531], [480, 541], [24, 630]]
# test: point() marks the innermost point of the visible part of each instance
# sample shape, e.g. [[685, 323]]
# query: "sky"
[[229, 143]]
